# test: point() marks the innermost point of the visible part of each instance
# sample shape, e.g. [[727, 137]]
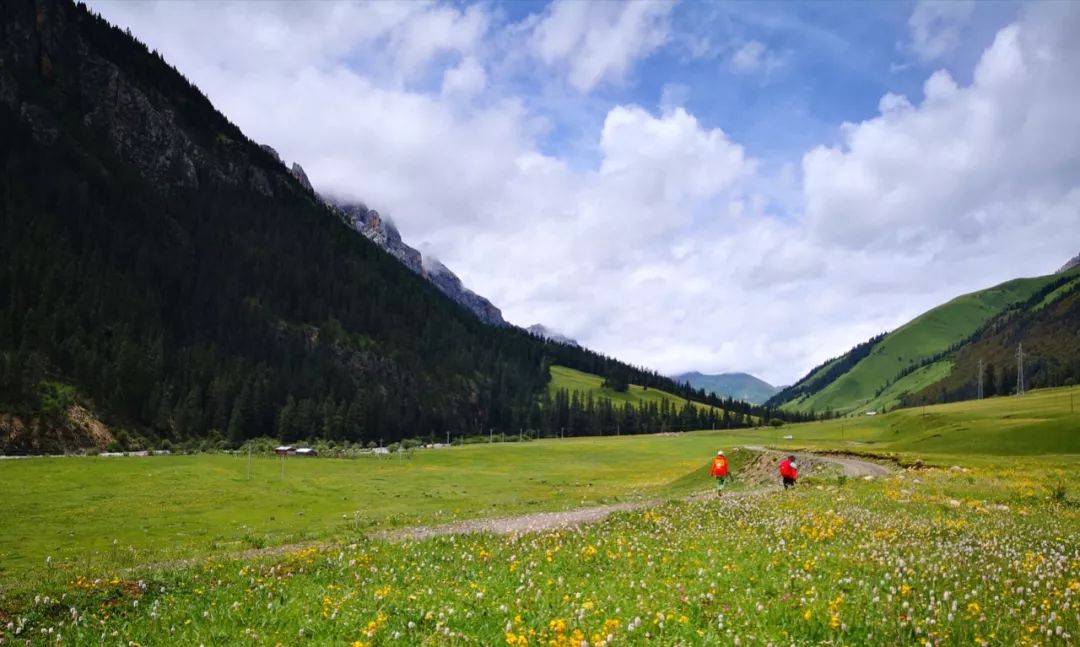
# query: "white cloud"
[[436, 30], [599, 41], [663, 252], [466, 79], [936, 26], [753, 57], [968, 163]]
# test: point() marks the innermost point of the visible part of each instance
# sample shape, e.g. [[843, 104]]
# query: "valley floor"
[[974, 543]]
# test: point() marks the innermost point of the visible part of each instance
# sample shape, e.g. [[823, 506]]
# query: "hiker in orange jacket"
[[789, 471], [720, 472]]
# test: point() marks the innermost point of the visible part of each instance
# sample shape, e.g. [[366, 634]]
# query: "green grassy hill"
[[740, 386], [587, 383], [1042, 422], [892, 368], [1050, 333]]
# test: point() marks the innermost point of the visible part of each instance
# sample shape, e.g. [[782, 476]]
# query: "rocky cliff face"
[[383, 233], [1071, 264], [132, 109]]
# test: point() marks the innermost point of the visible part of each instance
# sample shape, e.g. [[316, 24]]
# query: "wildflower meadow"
[[928, 556]]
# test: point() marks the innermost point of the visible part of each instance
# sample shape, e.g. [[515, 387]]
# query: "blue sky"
[[833, 63], [684, 185]]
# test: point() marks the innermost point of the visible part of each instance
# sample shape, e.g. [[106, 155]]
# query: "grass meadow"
[[92, 512], [927, 334], [587, 383], [978, 544]]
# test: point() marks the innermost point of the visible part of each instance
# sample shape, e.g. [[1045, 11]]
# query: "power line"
[[1020, 369], [980, 389]]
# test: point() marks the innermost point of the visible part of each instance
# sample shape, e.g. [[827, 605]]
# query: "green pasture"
[[587, 383], [975, 556], [90, 511], [1039, 423], [926, 335]]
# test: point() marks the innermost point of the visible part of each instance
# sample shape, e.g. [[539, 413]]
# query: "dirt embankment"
[[80, 429]]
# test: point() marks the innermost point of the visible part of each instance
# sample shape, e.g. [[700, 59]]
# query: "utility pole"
[[1020, 369], [980, 387], [491, 435], [447, 438]]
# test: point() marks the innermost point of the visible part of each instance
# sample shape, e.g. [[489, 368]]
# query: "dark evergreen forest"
[[205, 293]]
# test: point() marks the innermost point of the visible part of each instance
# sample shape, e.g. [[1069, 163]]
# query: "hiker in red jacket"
[[789, 471], [720, 472]]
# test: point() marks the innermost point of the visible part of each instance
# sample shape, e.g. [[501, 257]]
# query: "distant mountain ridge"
[[383, 233], [741, 386]]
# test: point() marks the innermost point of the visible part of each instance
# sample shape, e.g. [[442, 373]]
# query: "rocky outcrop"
[[301, 177], [272, 151], [383, 233], [78, 429], [540, 330], [451, 286], [1075, 262]]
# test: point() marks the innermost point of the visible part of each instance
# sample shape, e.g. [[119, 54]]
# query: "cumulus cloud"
[[967, 163], [663, 250], [466, 79], [599, 41], [936, 26]]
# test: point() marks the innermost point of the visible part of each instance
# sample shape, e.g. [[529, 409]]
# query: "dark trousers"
[[788, 482]]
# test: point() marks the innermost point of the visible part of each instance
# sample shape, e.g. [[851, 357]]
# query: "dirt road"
[[760, 473], [850, 466]]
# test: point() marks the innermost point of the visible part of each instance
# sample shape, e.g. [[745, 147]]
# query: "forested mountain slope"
[[1048, 327], [172, 276], [882, 370]]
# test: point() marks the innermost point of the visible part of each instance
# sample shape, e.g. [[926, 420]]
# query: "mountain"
[[1048, 327], [740, 386], [383, 233], [886, 370], [168, 280], [541, 330], [1073, 262]]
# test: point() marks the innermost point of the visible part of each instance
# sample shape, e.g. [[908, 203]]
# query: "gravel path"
[[540, 521], [853, 467]]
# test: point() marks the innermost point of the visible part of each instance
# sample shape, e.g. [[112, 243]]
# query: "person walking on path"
[[789, 471], [720, 472]]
